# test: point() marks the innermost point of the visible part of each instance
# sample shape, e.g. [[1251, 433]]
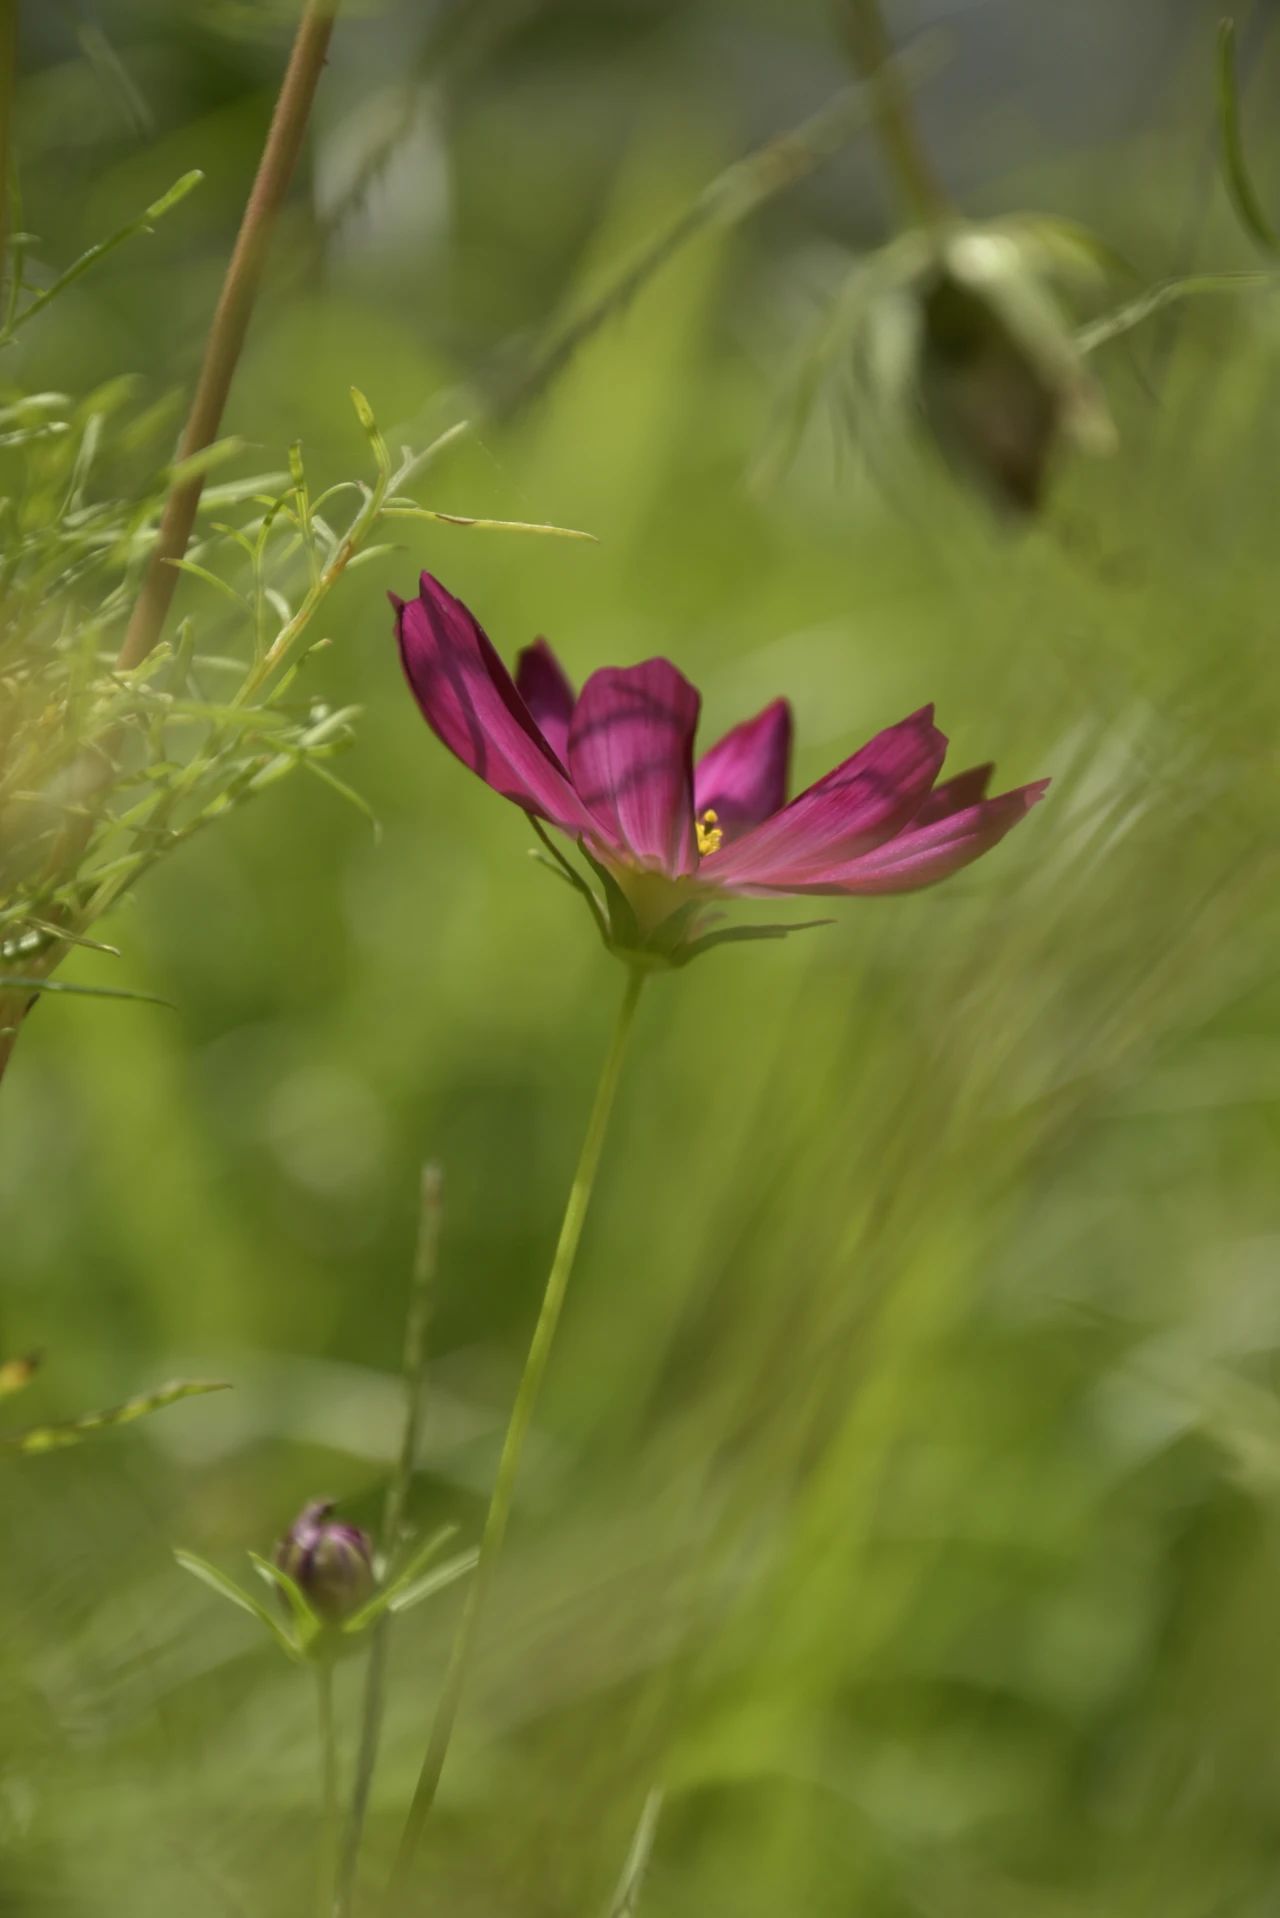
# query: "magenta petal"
[[924, 854], [468, 699], [744, 777], [631, 760], [855, 808], [544, 686], [953, 795]]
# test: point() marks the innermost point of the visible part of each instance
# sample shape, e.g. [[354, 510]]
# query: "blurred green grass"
[[904, 1496]]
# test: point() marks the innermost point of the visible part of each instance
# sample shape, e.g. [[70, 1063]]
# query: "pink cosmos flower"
[[666, 834]]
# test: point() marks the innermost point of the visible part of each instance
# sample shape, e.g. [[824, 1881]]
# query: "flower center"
[[710, 832]]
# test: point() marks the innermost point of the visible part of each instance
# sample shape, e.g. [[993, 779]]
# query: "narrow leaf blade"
[[52, 1438]]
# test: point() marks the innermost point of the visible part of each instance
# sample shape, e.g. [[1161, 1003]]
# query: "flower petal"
[[631, 760], [953, 795], [469, 701], [744, 777], [924, 854], [855, 808], [544, 686]]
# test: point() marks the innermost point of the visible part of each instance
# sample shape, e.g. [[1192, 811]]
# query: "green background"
[[904, 1496]]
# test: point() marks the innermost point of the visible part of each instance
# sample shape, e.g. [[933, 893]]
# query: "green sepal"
[[732, 935], [623, 926], [414, 1583], [227, 1588], [384, 1598], [557, 863], [307, 1622], [407, 1596]]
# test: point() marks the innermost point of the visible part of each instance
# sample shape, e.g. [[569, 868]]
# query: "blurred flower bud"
[[961, 330], [330, 1562], [1001, 380]]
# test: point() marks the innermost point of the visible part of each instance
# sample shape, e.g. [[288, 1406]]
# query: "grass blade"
[[1243, 194], [626, 1898]]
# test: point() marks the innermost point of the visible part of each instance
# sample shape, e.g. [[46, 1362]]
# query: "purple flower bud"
[[329, 1561]]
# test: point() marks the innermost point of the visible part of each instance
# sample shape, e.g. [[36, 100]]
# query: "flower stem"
[[231, 321], [871, 52], [535, 1366], [326, 1850], [415, 1358]]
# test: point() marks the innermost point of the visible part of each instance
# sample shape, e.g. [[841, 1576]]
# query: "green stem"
[[414, 1368], [231, 321], [871, 51], [535, 1366], [326, 1850]]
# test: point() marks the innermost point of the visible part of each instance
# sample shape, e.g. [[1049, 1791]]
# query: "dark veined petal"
[[544, 686], [468, 699], [631, 760], [924, 854], [856, 807], [953, 795], [743, 778]]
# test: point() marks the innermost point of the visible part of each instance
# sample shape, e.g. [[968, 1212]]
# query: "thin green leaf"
[[414, 1569], [240, 718], [52, 1438], [444, 1575], [402, 511], [236, 1595], [1112, 325], [1240, 188], [368, 553], [74, 938], [364, 413], [204, 461], [22, 435], [627, 1897], [349, 793], [33, 403], [306, 1620], [143, 223], [211, 579], [83, 992], [235, 492]]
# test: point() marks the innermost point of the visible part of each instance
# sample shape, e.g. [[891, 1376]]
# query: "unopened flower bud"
[[332, 1563]]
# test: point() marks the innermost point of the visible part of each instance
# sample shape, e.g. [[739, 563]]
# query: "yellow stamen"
[[710, 834]]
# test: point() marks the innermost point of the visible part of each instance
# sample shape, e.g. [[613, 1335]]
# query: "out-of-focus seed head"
[[1002, 384], [331, 1562], [964, 331]]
